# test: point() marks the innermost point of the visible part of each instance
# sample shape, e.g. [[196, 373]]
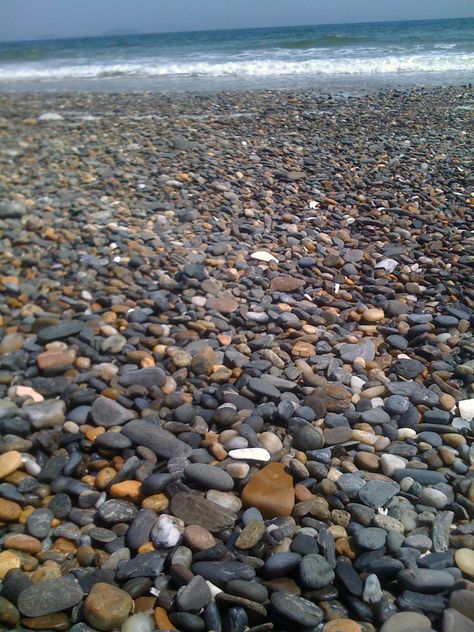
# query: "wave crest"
[[245, 68]]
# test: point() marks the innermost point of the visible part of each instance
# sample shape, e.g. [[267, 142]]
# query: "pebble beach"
[[237, 361]]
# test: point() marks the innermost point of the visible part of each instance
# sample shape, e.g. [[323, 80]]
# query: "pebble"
[[107, 607], [9, 463], [240, 396], [50, 596]]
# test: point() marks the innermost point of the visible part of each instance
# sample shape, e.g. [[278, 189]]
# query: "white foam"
[[273, 67]]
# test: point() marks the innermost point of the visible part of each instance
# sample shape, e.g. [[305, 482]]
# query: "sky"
[[35, 19]]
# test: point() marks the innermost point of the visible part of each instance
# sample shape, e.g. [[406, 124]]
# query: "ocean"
[[402, 53]]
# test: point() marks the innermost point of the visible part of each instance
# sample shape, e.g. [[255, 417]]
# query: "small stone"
[[271, 491], [251, 534], [341, 625], [50, 596], [296, 609], [406, 622], [250, 454], [47, 414], [373, 315], [371, 538], [9, 463], [465, 561], [315, 572], [107, 606], [8, 561], [209, 477], [194, 596], [9, 615], [9, 510], [107, 413]]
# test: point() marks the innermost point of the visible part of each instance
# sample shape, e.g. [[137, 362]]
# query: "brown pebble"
[[198, 538]]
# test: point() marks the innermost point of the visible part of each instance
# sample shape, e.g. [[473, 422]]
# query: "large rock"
[[196, 510]]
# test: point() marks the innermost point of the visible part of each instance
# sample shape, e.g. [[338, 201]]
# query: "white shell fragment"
[[250, 454], [263, 255]]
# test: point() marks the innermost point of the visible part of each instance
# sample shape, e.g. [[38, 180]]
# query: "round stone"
[[107, 606], [465, 561], [9, 463]]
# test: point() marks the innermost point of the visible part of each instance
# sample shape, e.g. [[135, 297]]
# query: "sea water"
[[428, 51]]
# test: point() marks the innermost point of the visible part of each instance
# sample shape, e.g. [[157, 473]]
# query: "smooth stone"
[[208, 477], [196, 510], [406, 622], [271, 491], [315, 572], [454, 621], [167, 531], [107, 413], [390, 463], [364, 350], [427, 581], [281, 564], [464, 559], [62, 330], [50, 596], [377, 493], [219, 573], [152, 376], [9, 614], [113, 511], [252, 533], [194, 596], [250, 454], [160, 441], [433, 497], [9, 463], [296, 609], [39, 522], [248, 589], [47, 414], [370, 538], [463, 602], [107, 606]]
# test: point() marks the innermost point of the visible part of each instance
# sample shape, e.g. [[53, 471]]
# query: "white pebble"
[[30, 465], [138, 623], [250, 454], [263, 255], [390, 463], [167, 531], [466, 409]]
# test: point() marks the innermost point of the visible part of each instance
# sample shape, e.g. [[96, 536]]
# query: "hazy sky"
[[30, 19]]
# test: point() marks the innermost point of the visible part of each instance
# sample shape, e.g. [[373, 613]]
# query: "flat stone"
[[340, 434], [196, 510], [370, 538], [219, 573], [60, 331], [406, 622], [364, 350], [270, 490], [463, 602], [194, 596], [152, 376], [315, 572], [250, 454], [286, 284], [427, 581], [50, 596], [296, 609], [47, 414], [252, 533], [107, 413], [377, 493], [162, 442], [454, 621], [208, 477]]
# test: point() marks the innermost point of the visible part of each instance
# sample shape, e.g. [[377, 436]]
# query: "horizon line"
[[213, 30]]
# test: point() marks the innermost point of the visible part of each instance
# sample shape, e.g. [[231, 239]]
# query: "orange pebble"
[[162, 620], [126, 489]]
